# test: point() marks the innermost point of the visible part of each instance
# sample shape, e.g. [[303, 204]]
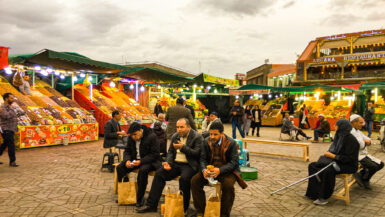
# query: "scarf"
[[344, 129]]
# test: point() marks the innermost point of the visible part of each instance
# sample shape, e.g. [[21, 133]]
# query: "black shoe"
[[257, 135], [358, 178], [146, 208], [13, 164], [1, 162], [367, 185], [139, 204]]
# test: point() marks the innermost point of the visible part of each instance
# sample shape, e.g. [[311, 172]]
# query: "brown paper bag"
[[127, 192], [115, 181], [213, 206], [173, 204]]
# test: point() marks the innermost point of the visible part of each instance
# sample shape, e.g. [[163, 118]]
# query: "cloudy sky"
[[225, 36]]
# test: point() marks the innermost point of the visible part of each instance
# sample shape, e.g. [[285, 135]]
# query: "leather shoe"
[[367, 185], [358, 178], [13, 164], [146, 208], [139, 204]]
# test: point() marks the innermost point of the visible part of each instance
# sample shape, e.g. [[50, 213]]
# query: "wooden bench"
[[344, 193], [304, 145]]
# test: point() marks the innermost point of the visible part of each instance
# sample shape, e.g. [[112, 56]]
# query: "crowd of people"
[[188, 155]]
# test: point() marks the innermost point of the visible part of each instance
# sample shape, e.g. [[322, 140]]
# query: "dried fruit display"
[[38, 101]]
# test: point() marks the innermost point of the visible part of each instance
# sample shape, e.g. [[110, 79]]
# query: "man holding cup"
[[219, 160]]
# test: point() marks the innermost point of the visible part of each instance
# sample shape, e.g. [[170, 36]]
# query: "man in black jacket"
[[112, 131], [142, 152], [182, 160], [190, 108], [236, 114], [221, 152]]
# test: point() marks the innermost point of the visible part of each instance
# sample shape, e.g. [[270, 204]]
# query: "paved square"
[[67, 181]]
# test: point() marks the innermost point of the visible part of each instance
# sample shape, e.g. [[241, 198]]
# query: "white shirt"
[[137, 149], [180, 156], [363, 149], [25, 87]]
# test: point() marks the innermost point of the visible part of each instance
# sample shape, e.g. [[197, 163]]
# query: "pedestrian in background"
[[247, 120], [257, 119], [369, 118], [8, 127], [236, 114]]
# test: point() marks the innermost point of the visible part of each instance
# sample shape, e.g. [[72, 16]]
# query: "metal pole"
[[72, 87], [33, 78], [52, 80], [301, 180]]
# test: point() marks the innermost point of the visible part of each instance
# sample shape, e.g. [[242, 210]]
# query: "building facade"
[[351, 58], [279, 75]]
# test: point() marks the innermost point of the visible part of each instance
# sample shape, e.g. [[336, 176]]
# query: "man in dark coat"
[[174, 113], [323, 127], [221, 152], [112, 131], [369, 118], [142, 152], [182, 160], [236, 114], [190, 108]]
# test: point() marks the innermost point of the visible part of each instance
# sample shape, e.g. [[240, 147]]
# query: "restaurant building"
[[351, 58], [278, 75]]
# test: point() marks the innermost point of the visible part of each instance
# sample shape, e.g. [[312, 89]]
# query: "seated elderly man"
[[288, 126], [370, 164], [323, 127], [161, 119]]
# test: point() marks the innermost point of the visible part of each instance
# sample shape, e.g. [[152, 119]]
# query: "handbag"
[[173, 204], [127, 192], [213, 206]]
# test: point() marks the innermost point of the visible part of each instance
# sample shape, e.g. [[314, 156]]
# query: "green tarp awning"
[[69, 61], [156, 75]]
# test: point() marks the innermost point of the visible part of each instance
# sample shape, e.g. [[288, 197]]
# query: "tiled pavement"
[[67, 181]]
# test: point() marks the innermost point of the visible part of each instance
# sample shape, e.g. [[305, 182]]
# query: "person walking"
[[257, 119], [247, 120], [369, 118], [236, 114], [158, 109], [8, 126]]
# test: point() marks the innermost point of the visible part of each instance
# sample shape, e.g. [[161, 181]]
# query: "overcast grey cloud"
[[221, 37]]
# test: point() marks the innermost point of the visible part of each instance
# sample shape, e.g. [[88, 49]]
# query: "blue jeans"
[[9, 141], [236, 125], [369, 125], [316, 133]]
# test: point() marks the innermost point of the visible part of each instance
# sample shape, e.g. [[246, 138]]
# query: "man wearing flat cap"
[[142, 152], [322, 127]]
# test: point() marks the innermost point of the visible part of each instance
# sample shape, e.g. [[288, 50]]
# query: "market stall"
[[375, 92], [50, 118]]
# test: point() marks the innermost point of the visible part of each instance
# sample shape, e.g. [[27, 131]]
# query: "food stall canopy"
[[310, 88], [372, 85], [205, 78], [69, 61], [157, 75]]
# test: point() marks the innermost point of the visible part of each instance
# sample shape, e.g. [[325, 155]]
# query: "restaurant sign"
[[350, 57], [364, 56]]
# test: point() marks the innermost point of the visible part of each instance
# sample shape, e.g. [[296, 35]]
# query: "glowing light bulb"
[[142, 88], [57, 73], [37, 68], [131, 86], [8, 71], [62, 77], [112, 84], [82, 75], [75, 78]]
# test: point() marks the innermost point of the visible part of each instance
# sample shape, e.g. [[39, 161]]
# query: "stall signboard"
[[47, 135], [248, 92], [218, 80]]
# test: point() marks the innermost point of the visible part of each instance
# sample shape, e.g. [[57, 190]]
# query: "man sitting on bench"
[[142, 152], [370, 164], [182, 160], [288, 126], [322, 128], [221, 152]]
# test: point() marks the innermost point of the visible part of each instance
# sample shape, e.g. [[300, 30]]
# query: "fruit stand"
[[50, 118]]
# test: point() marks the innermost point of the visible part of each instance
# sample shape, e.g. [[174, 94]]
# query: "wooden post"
[[342, 70], [318, 50], [351, 45], [304, 72], [52, 80]]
